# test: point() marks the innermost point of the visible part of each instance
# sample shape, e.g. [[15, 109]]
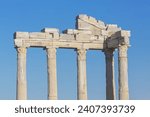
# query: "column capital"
[[51, 52], [109, 52], [122, 50], [81, 54], [21, 50]]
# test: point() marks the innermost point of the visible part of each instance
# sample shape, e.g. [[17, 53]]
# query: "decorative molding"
[[51, 52], [122, 51], [81, 54], [21, 50], [92, 33]]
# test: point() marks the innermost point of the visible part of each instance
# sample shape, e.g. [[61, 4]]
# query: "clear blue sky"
[[33, 15]]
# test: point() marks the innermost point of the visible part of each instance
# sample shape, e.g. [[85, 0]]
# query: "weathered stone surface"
[[112, 43], [92, 20], [122, 33], [111, 29], [83, 37], [18, 43], [21, 74], [81, 81], [70, 31], [119, 38], [37, 35], [104, 33], [101, 24], [101, 38], [83, 17], [98, 38], [67, 37], [21, 35], [89, 30], [95, 31], [110, 80], [96, 44], [48, 35], [54, 32], [123, 72], [85, 32], [52, 74], [89, 34], [50, 30], [55, 35], [82, 25], [87, 22]]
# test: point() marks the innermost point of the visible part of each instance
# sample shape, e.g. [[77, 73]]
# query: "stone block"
[[96, 31], [104, 32], [101, 38], [88, 22], [112, 43], [71, 31], [21, 35], [94, 37], [101, 25], [37, 35], [67, 37], [83, 25], [113, 27], [83, 37], [124, 41], [97, 37], [48, 35], [50, 30], [18, 42], [83, 17], [55, 35], [53, 32], [92, 20], [125, 33], [84, 31], [121, 33]]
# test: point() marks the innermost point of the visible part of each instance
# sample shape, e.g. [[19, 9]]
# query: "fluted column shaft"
[[110, 82], [52, 75], [81, 80], [21, 74], [123, 72]]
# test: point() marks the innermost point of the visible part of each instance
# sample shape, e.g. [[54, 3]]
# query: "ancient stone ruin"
[[89, 34]]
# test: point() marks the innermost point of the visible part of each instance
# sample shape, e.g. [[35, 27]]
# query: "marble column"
[[123, 72], [81, 69], [21, 74], [110, 81], [52, 75]]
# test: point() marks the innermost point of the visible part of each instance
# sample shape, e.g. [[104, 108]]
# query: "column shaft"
[[21, 74], [123, 72], [52, 75], [81, 68], [110, 82]]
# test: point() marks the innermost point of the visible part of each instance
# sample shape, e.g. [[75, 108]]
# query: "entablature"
[[89, 34]]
